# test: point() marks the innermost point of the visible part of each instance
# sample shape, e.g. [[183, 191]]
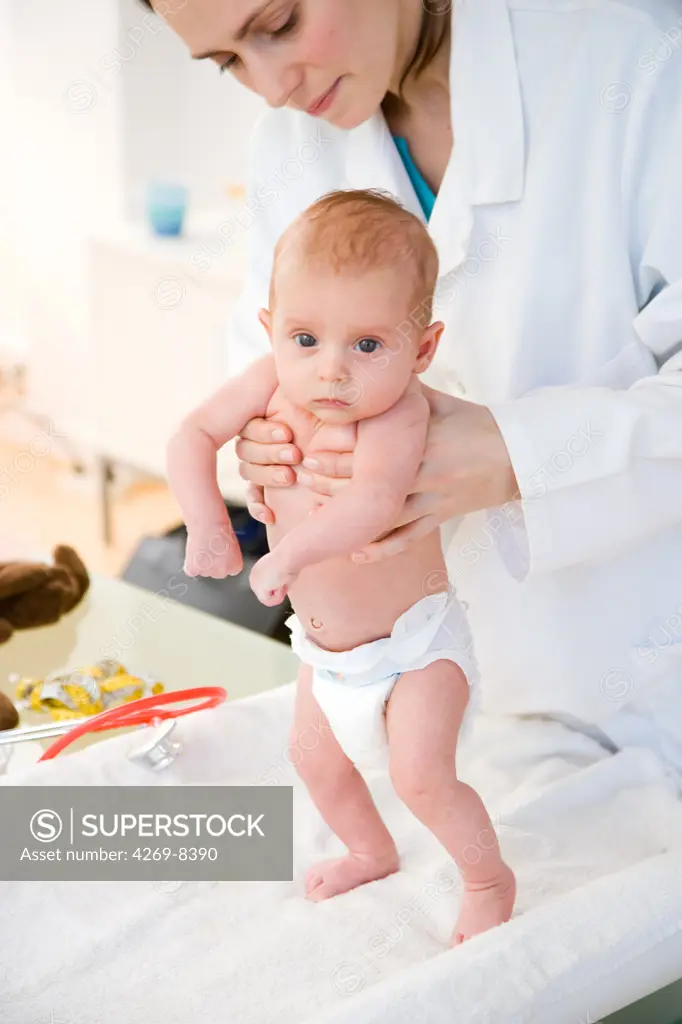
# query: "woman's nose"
[[275, 82]]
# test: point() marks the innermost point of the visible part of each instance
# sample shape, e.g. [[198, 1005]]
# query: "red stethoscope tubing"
[[140, 712]]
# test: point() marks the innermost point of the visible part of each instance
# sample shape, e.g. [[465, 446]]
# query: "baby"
[[384, 646]]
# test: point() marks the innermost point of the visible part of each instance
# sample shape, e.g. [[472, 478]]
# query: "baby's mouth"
[[334, 403]]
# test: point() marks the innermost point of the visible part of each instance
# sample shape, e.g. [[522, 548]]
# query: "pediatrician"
[[542, 142]]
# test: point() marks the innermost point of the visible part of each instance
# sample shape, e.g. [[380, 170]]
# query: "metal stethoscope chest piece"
[[160, 750]]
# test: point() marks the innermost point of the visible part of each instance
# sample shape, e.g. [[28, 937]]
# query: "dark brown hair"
[[434, 28]]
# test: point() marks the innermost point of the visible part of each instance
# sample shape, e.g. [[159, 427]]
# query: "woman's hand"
[[267, 459], [466, 468]]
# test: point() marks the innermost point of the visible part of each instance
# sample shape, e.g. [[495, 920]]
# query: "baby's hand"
[[213, 550], [269, 581]]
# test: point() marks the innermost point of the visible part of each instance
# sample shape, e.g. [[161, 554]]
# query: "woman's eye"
[[368, 345], [288, 26], [305, 340]]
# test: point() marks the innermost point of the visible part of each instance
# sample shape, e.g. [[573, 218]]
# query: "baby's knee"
[[313, 749], [418, 781]]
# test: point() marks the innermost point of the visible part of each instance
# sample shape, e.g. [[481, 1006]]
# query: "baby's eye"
[[368, 345], [305, 340]]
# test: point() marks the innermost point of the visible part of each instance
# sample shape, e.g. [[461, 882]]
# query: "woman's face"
[[332, 58]]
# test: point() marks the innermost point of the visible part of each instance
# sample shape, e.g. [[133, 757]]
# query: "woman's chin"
[[349, 118], [347, 114]]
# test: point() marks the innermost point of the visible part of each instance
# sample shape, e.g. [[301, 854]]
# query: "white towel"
[[595, 840]]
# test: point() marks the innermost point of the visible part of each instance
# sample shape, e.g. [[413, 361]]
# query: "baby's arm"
[[387, 456], [212, 548]]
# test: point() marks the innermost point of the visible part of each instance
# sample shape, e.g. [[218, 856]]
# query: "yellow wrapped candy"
[[83, 692]]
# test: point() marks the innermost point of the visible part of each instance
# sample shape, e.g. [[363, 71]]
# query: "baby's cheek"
[[294, 383], [387, 388]]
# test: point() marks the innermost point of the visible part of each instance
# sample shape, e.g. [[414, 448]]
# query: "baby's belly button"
[[315, 623]]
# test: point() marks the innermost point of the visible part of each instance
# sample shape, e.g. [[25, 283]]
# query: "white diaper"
[[353, 687]]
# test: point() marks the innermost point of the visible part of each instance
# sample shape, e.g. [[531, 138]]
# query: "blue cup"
[[166, 208]]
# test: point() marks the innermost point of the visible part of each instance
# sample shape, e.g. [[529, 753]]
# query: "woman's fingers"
[[256, 505], [267, 476], [266, 457], [416, 507], [328, 485], [326, 472], [397, 541], [256, 452], [266, 431], [332, 464], [261, 512], [255, 495]]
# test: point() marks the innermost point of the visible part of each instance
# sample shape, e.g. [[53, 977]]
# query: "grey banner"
[[139, 833]]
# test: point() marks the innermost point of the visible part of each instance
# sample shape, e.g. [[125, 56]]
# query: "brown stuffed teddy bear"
[[34, 594], [9, 716]]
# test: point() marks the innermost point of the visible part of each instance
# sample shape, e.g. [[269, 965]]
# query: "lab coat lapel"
[[487, 161], [373, 161]]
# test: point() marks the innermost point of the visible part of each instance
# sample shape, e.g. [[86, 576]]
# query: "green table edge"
[[662, 1007]]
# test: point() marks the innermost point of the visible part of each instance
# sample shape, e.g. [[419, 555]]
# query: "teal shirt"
[[425, 195]]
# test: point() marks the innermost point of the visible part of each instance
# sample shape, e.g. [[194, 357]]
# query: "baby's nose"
[[332, 368]]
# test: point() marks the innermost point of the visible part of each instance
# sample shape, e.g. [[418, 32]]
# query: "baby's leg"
[[341, 796], [424, 715]]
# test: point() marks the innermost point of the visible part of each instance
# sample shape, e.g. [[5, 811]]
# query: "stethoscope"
[[158, 753]]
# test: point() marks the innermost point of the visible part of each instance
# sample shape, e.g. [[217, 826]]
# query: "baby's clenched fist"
[[270, 581], [213, 550]]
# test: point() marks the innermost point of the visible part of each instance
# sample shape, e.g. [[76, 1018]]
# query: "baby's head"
[[349, 275]]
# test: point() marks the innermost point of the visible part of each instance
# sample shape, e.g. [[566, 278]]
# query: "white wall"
[[66, 172], [183, 120], [152, 82], [221, 114], [9, 279], [96, 98]]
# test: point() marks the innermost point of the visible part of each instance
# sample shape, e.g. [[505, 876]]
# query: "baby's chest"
[[310, 433]]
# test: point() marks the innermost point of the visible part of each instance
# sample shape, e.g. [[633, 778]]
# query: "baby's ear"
[[428, 345], [266, 320]]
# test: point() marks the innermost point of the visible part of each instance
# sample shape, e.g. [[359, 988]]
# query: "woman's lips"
[[324, 102]]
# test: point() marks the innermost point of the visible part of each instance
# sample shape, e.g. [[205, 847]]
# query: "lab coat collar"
[[488, 158]]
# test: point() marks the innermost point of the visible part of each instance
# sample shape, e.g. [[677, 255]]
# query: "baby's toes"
[[313, 880]]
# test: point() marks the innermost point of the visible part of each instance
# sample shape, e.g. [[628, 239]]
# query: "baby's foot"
[[485, 905], [332, 877]]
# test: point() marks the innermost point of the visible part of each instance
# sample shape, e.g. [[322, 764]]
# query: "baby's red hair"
[[357, 230]]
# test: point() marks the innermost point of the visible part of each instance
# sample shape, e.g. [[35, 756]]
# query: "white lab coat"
[[559, 230]]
